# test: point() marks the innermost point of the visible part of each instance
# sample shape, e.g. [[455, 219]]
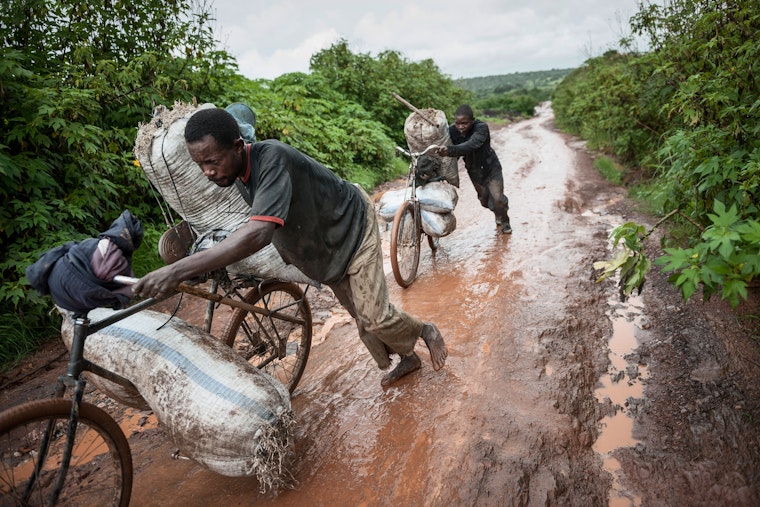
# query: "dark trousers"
[[491, 196]]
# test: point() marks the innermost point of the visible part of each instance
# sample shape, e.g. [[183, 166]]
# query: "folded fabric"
[[79, 275]]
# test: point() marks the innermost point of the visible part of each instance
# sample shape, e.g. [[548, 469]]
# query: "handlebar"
[[125, 280], [400, 150]]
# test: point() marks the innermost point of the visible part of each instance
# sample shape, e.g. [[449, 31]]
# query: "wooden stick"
[[407, 104]]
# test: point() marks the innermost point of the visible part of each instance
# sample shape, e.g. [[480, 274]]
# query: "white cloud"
[[464, 38]]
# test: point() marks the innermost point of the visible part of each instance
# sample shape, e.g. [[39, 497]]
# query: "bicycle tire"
[[405, 244], [100, 471], [254, 336]]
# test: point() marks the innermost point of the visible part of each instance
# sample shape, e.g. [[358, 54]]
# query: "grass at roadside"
[[611, 170], [19, 340]]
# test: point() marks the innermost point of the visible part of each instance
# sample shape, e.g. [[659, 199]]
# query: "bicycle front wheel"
[[32, 444], [405, 244], [278, 343]]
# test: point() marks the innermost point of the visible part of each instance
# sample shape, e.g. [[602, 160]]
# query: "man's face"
[[463, 124], [220, 165]]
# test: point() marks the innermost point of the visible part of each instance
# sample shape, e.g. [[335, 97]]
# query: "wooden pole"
[[407, 104]]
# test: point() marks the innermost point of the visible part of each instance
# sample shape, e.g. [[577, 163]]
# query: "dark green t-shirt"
[[320, 217]]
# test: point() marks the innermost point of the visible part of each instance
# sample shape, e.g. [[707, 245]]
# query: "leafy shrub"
[[71, 96], [609, 169], [370, 82], [699, 134]]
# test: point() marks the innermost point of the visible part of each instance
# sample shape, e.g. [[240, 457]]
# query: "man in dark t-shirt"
[[318, 222], [471, 140]]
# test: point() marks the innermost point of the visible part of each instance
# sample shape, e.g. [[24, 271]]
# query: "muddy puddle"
[[620, 386]]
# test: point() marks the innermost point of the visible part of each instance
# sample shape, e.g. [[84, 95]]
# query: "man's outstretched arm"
[[247, 240]]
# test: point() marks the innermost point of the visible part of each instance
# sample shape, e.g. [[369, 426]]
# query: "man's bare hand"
[[157, 284], [443, 151]]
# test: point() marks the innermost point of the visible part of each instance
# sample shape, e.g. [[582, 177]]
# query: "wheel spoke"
[[274, 343]]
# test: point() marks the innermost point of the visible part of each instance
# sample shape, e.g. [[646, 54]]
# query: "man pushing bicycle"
[[323, 225]]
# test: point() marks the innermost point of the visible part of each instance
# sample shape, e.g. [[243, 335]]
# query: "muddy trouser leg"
[[383, 328], [498, 202], [491, 196]]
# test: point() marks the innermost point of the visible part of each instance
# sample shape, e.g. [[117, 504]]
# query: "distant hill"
[[488, 85]]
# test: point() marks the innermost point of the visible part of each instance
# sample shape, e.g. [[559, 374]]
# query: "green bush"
[[609, 169], [688, 110], [512, 104], [71, 97], [370, 83]]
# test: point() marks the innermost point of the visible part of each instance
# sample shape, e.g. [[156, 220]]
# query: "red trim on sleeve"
[[277, 221]]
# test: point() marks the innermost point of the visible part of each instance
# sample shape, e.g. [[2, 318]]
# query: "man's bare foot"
[[407, 365], [435, 345]]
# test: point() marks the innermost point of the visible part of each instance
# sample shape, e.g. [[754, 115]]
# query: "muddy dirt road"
[[554, 392]]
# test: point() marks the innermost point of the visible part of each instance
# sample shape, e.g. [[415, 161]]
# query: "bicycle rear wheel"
[[100, 470], [405, 244], [277, 344]]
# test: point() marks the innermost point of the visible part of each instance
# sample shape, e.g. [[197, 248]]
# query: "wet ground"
[[554, 392]]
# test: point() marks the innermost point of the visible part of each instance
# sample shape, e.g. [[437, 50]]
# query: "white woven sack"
[[420, 134], [438, 224], [216, 407], [389, 203], [161, 150], [438, 197]]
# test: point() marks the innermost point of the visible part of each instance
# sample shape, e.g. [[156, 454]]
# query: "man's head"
[[464, 119], [213, 140]]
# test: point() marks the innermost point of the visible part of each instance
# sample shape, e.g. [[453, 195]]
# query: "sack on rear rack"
[[389, 203], [420, 134], [216, 407], [161, 150], [438, 197], [438, 225]]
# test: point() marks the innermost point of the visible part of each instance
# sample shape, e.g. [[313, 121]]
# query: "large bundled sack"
[[438, 197], [216, 407], [210, 210], [438, 225], [437, 202], [389, 203], [420, 134]]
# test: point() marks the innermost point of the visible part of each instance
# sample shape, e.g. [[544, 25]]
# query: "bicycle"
[[407, 231], [68, 451]]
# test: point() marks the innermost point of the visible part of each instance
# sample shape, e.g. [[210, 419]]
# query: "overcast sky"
[[465, 38]]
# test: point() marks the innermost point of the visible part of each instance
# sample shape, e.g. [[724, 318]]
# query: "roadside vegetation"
[[684, 118]]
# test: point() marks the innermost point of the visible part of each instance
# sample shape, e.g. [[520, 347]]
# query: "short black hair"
[[464, 110], [215, 122]]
